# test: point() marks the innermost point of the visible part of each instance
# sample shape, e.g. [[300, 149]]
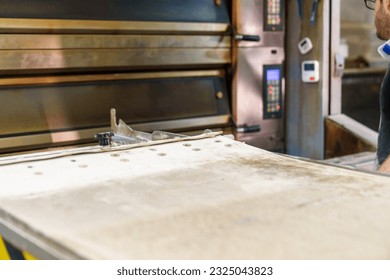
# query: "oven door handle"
[[244, 37]]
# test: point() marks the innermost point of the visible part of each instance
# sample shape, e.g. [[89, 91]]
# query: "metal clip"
[[104, 138], [313, 12]]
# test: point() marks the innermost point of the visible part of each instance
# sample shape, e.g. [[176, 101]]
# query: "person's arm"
[[385, 166]]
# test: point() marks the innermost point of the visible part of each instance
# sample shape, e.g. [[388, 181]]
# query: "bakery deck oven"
[[172, 65]]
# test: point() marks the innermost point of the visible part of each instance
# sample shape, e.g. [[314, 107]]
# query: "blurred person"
[[382, 24]]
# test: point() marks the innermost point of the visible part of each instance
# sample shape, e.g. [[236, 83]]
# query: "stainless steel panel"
[[124, 10], [308, 104], [68, 60], [22, 25], [248, 19], [248, 102], [249, 59], [249, 81], [61, 109], [45, 109], [35, 53], [49, 80], [84, 41], [81, 105]]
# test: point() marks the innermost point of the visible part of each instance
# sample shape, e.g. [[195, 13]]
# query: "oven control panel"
[[272, 92], [273, 15]]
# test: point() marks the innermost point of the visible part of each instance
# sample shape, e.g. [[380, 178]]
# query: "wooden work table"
[[212, 198]]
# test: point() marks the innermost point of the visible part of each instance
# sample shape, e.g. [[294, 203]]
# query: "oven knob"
[[219, 95]]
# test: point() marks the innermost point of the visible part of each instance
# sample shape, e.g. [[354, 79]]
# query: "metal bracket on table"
[[122, 134]]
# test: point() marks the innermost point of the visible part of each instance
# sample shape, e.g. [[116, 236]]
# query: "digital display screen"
[[309, 67], [273, 75]]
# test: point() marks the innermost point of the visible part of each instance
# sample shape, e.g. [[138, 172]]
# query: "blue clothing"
[[384, 126]]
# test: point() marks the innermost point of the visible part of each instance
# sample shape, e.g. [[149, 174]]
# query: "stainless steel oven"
[[172, 65]]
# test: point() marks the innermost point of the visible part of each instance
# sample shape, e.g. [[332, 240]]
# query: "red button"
[[312, 78]]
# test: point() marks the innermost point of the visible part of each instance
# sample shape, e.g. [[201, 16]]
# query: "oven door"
[[161, 64]]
